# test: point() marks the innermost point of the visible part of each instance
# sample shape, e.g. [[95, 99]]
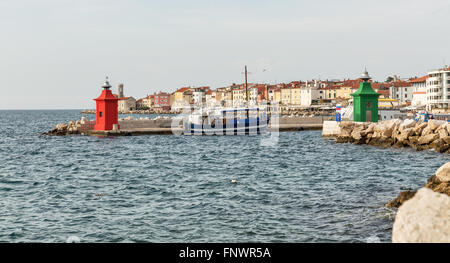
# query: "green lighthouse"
[[365, 101]]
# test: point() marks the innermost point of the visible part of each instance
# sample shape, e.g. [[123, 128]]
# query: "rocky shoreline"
[[433, 134]]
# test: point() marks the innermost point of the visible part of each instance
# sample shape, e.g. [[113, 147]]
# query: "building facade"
[[438, 88]]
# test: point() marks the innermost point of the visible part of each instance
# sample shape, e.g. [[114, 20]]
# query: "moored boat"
[[227, 121]]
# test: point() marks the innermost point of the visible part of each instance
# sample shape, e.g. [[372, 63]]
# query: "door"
[[369, 116]]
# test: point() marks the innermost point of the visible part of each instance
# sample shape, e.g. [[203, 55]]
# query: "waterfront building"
[[419, 86], [198, 96], [162, 101], [285, 95], [365, 101], [239, 96], [328, 93], [345, 90], [126, 104], [438, 88], [275, 94], [296, 94], [107, 117], [253, 93], [139, 104], [309, 93], [145, 103], [182, 98], [402, 91]]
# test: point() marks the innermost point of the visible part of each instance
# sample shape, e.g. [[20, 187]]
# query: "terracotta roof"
[[419, 80], [419, 92], [183, 89], [401, 84], [383, 92], [124, 98]]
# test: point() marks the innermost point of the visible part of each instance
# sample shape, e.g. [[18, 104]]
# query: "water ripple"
[[179, 189]]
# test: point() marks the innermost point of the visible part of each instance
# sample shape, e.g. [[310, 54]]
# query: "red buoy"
[[107, 113]]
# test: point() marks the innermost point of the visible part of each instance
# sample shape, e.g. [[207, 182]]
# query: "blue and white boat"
[[227, 121]]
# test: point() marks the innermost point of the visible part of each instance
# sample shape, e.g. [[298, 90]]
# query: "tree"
[[389, 79]]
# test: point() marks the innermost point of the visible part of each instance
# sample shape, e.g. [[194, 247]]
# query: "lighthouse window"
[[101, 114], [369, 104]]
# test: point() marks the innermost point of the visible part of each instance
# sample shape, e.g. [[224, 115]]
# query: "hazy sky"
[[56, 53]]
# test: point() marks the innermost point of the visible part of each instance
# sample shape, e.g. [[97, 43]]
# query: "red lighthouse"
[[107, 113]]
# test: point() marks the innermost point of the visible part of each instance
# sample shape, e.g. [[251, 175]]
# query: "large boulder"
[[443, 173], [427, 138], [423, 218], [404, 135], [443, 133], [427, 130], [419, 128], [434, 124], [408, 123]]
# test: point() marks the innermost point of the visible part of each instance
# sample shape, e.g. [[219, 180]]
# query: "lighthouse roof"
[[365, 89], [106, 95]]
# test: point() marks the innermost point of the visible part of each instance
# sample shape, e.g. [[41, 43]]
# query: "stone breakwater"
[[424, 215], [84, 126], [433, 134]]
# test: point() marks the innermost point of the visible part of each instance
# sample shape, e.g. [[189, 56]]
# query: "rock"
[[408, 123], [71, 123], [401, 198], [439, 145], [438, 186], [83, 120], [446, 139], [447, 127], [357, 133], [404, 135], [427, 138], [423, 218], [434, 124], [419, 128], [427, 130], [443, 133], [443, 173]]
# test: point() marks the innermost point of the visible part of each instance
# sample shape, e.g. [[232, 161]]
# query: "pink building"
[[162, 101]]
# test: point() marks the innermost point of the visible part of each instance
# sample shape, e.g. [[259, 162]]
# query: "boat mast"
[[246, 92]]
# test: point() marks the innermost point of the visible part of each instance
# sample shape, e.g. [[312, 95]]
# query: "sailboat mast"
[[246, 92]]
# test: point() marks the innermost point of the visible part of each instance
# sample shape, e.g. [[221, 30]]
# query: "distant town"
[[428, 92]]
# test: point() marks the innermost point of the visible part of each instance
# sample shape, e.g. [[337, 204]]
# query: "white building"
[[438, 88], [253, 95], [308, 93], [402, 91], [198, 96], [126, 104], [419, 86]]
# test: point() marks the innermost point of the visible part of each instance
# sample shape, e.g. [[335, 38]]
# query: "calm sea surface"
[[178, 189]]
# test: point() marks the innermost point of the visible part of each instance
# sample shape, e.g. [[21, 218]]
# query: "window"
[[101, 114], [369, 104]]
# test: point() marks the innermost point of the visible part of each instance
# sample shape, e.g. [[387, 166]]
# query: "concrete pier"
[[162, 126]]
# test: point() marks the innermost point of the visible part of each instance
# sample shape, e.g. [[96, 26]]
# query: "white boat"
[[227, 121]]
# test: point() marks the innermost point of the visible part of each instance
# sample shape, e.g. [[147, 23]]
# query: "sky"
[[55, 54]]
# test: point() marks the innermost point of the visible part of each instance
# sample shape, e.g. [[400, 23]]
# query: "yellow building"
[[277, 95], [344, 92], [285, 95], [295, 95]]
